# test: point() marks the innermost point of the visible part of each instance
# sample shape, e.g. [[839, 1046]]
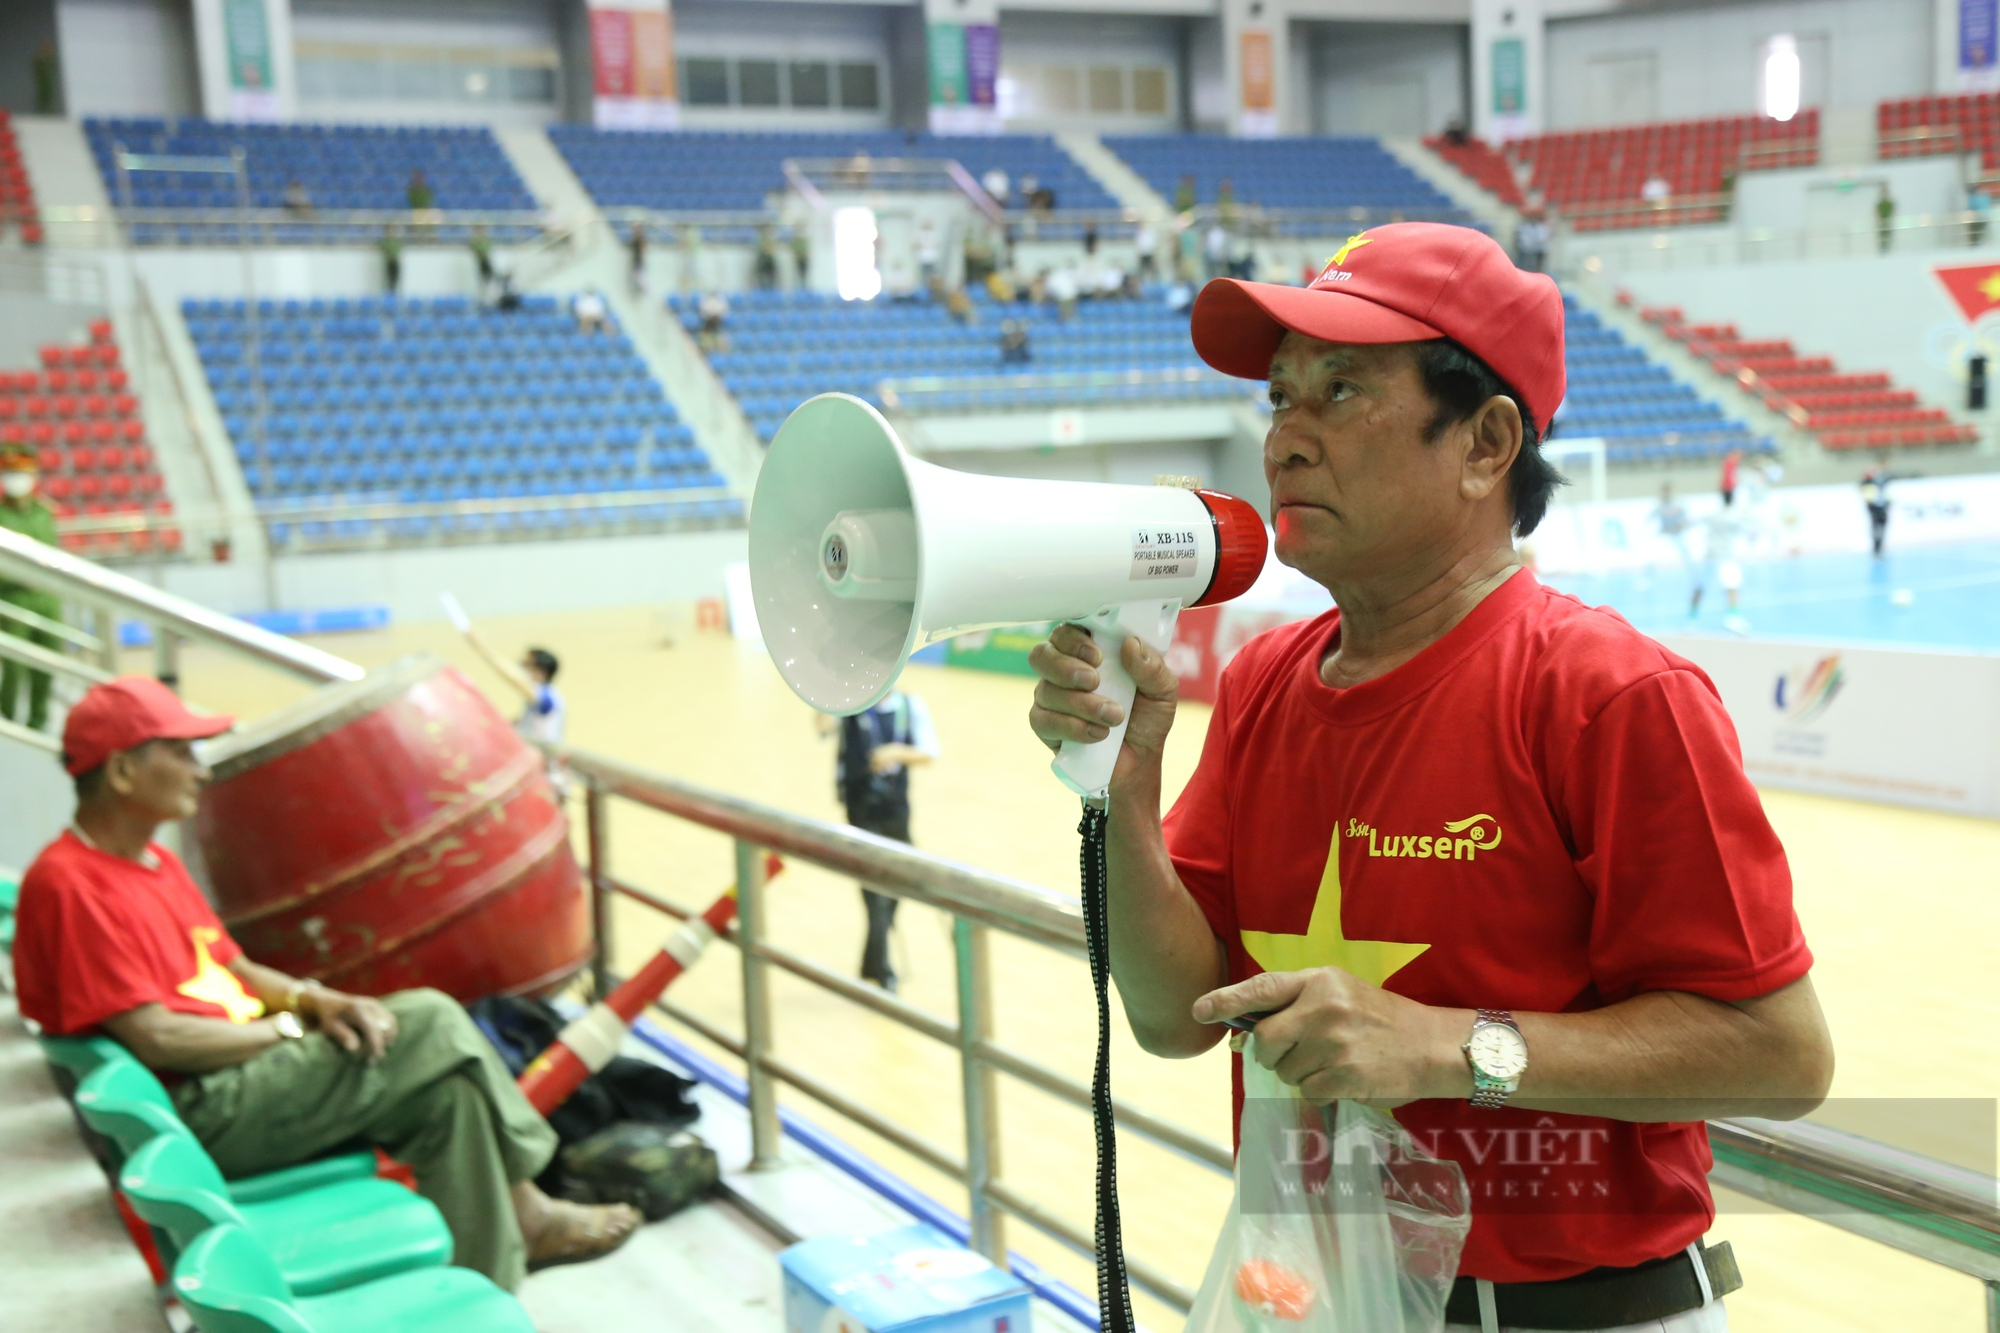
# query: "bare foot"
[[559, 1232]]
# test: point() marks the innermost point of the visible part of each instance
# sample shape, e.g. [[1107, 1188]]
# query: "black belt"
[[1602, 1297]]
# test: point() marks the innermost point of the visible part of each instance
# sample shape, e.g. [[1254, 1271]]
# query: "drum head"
[[316, 715]]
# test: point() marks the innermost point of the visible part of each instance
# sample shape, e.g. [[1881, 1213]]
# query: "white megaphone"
[[861, 554]]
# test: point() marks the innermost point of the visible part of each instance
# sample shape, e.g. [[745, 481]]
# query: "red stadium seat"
[[58, 381], [76, 432], [103, 432], [66, 407], [96, 405], [42, 433], [119, 484], [56, 487], [36, 406], [132, 431], [82, 460], [152, 483], [100, 331], [111, 459], [125, 404]]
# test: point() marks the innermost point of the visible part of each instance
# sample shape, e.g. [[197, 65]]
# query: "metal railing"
[[1920, 1206], [104, 596], [1666, 247], [972, 393]]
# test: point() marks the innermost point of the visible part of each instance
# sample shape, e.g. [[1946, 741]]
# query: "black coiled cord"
[[1114, 1295]]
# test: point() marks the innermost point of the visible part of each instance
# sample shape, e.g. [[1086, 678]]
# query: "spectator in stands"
[[298, 203], [691, 258], [1980, 206], [1188, 266], [930, 253], [878, 748], [1215, 247], [1014, 349], [1000, 285], [1146, 247], [22, 512], [1885, 218], [1184, 194], [422, 197], [979, 261], [713, 310], [1531, 242], [1064, 289], [391, 246], [591, 314], [481, 246], [635, 248], [995, 183], [801, 256], [959, 306], [1656, 190], [48, 80], [266, 1070], [764, 266], [1225, 202], [1456, 135]]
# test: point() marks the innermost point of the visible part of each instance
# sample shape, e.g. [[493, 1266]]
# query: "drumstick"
[[455, 613]]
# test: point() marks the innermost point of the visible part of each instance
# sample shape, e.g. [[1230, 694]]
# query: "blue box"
[[914, 1279]]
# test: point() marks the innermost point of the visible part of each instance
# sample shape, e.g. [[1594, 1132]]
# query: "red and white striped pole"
[[587, 1044]]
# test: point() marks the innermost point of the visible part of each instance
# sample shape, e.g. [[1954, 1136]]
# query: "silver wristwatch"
[[1498, 1054], [288, 1025]]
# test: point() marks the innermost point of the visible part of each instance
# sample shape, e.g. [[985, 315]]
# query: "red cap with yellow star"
[[1401, 282]]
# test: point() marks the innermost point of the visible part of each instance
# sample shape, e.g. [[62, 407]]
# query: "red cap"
[[1402, 282], [127, 712]]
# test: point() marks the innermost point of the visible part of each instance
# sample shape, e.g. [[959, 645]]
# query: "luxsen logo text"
[[1463, 840]]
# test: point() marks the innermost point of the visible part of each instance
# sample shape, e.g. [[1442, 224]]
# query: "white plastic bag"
[[1341, 1223]]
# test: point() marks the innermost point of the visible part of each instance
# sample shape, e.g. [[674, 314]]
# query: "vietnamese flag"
[[1976, 288]]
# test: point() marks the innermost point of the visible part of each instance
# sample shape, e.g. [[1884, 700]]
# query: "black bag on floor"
[[625, 1090]]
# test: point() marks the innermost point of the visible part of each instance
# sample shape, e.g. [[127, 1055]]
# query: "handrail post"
[[594, 834], [982, 1106], [1992, 1307], [167, 658], [763, 1089], [104, 625]]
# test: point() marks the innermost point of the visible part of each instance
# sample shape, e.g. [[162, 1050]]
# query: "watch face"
[[1498, 1051]]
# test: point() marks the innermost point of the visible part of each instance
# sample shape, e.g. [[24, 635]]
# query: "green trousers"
[[440, 1100], [12, 673]]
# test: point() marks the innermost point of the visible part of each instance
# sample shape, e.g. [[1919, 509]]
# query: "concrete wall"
[[24, 26], [1886, 313], [1691, 61], [1404, 80], [128, 58], [1036, 42]]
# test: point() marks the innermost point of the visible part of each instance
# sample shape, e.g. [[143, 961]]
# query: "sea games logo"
[[1802, 694], [1479, 833]]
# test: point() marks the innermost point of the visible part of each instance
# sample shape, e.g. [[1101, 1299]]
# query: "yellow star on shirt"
[[1353, 243], [217, 984], [1990, 288], [1323, 944]]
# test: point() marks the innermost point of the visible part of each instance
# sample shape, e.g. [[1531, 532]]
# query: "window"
[[757, 83], [860, 87], [531, 83], [812, 84], [1149, 91], [1107, 88], [418, 81], [1061, 88], [706, 81], [476, 83], [364, 72]]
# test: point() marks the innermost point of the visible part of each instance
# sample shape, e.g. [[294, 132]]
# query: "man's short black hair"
[[1459, 382], [88, 783], [545, 662]]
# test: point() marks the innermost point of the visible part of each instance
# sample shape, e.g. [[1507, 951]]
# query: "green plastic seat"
[[321, 1239], [230, 1285], [124, 1102], [80, 1056]]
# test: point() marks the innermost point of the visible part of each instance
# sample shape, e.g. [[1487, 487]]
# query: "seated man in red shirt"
[[266, 1070], [1464, 846]]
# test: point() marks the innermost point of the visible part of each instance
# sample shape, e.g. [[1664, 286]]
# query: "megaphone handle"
[[1086, 768]]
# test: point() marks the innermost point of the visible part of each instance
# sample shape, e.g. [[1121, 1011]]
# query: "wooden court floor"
[[1900, 906]]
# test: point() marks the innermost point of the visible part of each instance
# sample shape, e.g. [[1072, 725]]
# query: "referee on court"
[[878, 748], [1483, 854]]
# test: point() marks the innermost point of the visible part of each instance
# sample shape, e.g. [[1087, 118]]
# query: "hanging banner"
[[964, 70], [632, 66], [1258, 116], [246, 37], [1510, 87], [1978, 32]]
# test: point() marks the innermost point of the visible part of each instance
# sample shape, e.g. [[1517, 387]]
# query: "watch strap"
[[1489, 1093]]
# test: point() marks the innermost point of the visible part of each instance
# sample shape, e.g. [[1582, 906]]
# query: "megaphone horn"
[[861, 554]]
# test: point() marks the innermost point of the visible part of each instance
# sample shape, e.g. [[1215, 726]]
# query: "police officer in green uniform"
[[23, 512]]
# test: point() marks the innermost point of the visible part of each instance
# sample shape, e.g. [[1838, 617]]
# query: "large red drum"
[[394, 832]]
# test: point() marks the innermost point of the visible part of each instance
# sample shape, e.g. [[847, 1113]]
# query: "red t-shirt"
[[1544, 811], [96, 935]]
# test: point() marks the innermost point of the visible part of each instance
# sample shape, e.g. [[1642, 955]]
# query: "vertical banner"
[[1258, 114], [1977, 24], [243, 49], [964, 62], [632, 66], [1510, 87]]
